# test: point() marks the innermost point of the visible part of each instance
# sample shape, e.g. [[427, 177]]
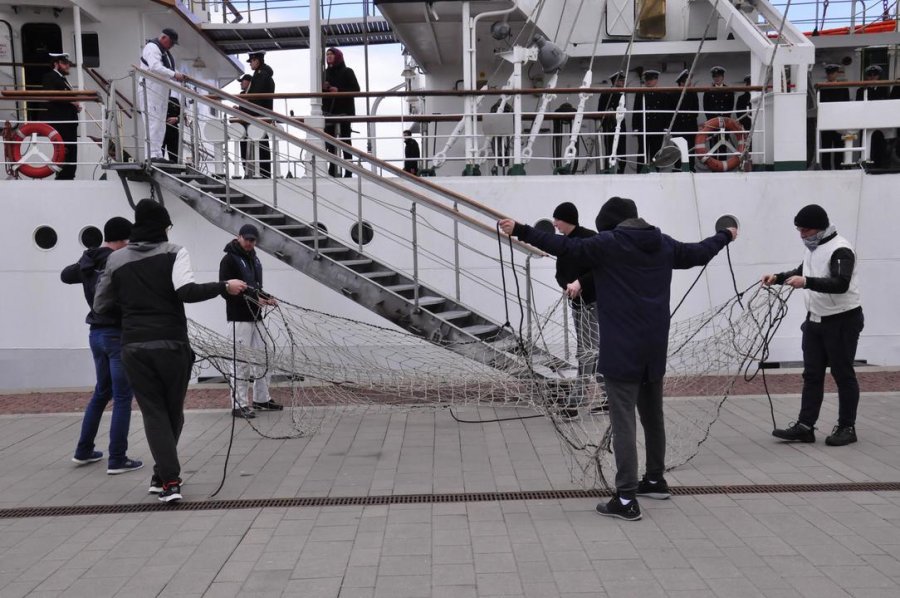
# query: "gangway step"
[[401, 288], [379, 274], [352, 263], [454, 314], [330, 250], [430, 300], [480, 329]]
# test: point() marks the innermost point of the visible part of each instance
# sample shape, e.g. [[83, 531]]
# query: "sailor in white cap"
[[608, 102], [880, 92], [157, 58], [718, 103], [62, 114]]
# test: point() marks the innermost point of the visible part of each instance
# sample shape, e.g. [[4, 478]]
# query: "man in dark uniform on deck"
[[718, 103], [652, 114], [609, 101], [742, 107], [832, 139], [262, 82], [686, 125], [62, 115], [879, 153]]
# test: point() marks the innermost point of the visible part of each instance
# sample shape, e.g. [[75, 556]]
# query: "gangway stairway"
[[391, 294]]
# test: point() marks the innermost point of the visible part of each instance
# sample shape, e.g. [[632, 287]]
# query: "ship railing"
[[821, 15], [38, 148], [441, 127], [436, 237], [265, 11], [858, 132]]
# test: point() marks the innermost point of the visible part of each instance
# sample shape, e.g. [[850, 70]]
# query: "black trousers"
[[69, 134], [653, 144], [831, 342], [170, 142], [264, 154], [831, 140], [341, 130], [623, 397], [159, 378]]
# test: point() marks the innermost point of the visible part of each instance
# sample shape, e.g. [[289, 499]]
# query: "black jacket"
[[718, 103], [150, 281], [632, 266], [58, 110], [86, 272], [880, 92], [344, 79], [608, 102], [241, 265], [834, 94], [568, 270], [659, 106], [686, 120], [262, 82]]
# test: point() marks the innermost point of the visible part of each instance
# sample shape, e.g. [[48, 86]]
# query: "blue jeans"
[[112, 383]]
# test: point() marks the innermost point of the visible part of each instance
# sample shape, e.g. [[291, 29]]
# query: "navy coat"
[[632, 266]]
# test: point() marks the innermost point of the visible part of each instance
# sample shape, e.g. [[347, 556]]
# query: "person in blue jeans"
[[105, 342]]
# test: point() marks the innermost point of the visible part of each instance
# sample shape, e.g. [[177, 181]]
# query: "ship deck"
[[395, 502]]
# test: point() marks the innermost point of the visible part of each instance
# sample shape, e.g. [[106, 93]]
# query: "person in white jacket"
[[156, 58]]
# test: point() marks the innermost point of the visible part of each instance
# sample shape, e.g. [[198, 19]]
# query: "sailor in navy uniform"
[[686, 125], [652, 115], [832, 139], [62, 115], [718, 103], [608, 102], [742, 107]]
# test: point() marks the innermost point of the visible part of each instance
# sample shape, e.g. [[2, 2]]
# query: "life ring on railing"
[[715, 125], [51, 164]]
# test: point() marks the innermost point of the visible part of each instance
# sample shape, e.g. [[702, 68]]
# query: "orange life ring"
[[43, 130], [715, 125]]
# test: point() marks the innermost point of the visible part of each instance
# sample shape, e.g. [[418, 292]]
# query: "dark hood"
[[645, 237], [94, 259], [234, 248]]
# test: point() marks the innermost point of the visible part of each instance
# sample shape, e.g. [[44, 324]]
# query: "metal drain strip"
[[401, 499]]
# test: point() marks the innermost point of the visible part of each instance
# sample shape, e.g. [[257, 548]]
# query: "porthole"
[[367, 233], [91, 237], [545, 226], [322, 227], [45, 237]]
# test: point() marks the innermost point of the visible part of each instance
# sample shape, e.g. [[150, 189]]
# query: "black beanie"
[[567, 212], [150, 222], [812, 216], [116, 229], [615, 211]]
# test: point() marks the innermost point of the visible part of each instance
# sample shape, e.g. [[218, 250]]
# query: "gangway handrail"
[[266, 123]]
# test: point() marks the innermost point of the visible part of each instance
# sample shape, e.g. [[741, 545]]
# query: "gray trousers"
[[587, 343], [623, 397]]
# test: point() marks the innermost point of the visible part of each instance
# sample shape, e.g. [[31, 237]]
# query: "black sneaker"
[[171, 491], [615, 508], [244, 412], [156, 485], [92, 458], [656, 489], [796, 432], [841, 436], [124, 467], [268, 406]]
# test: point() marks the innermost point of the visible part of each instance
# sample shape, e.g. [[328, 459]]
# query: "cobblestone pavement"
[[782, 544]]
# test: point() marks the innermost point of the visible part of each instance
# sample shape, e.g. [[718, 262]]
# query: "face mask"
[[813, 241]]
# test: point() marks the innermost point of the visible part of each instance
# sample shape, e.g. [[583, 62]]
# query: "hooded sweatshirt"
[[632, 266], [245, 266], [342, 77], [86, 272]]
